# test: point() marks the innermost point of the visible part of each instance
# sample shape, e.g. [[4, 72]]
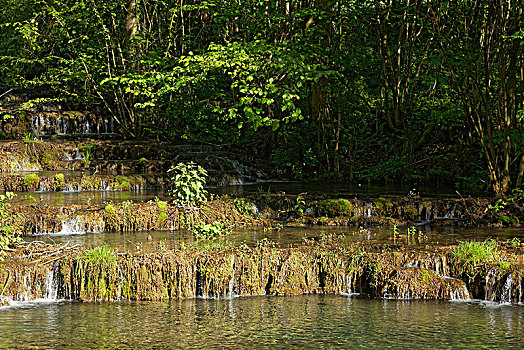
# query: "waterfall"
[[79, 226], [459, 290], [505, 298], [489, 295], [51, 290]]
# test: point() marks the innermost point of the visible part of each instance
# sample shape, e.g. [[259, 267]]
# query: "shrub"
[[187, 185], [59, 181]]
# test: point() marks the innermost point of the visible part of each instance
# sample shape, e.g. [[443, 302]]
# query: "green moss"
[[334, 207], [410, 212], [383, 206]]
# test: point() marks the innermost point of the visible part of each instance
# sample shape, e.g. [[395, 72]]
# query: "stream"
[[309, 321]]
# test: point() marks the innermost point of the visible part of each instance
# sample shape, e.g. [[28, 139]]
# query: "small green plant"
[[142, 161], [516, 243], [210, 231], [31, 179], [300, 205], [242, 206], [102, 255], [411, 231], [395, 233], [475, 253], [187, 185], [110, 209], [9, 230], [59, 181], [87, 152], [29, 138], [499, 205]]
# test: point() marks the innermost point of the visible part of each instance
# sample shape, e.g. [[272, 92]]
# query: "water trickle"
[[489, 295], [506, 291], [450, 214], [459, 290], [51, 290]]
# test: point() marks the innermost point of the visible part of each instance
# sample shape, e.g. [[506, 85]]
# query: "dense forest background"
[[405, 91]]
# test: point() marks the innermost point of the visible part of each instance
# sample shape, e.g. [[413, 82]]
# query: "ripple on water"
[[311, 321]]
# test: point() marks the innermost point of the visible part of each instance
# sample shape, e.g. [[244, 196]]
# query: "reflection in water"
[[265, 322], [330, 188]]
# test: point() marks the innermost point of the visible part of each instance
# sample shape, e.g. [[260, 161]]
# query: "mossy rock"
[[332, 208], [410, 212], [383, 206]]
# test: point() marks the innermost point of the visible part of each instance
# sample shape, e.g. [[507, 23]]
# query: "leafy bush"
[[187, 186], [59, 181]]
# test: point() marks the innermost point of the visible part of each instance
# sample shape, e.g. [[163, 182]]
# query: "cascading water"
[[491, 279], [505, 298]]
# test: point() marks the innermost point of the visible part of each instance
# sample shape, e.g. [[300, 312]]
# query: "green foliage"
[[508, 220], [242, 206], [300, 205], [500, 204], [187, 185], [210, 231], [29, 138], [322, 86], [59, 181], [87, 153], [475, 253], [31, 179], [334, 207], [9, 230], [110, 210], [101, 255]]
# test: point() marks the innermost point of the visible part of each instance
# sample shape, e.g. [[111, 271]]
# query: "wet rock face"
[[389, 211], [130, 217], [326, 266], [47, 119]]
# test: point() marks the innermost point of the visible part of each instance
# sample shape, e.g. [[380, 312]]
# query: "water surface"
[[301, 322]]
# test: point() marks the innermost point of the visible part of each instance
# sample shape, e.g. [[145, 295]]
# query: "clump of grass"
[[103, 255], [476, 253]]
